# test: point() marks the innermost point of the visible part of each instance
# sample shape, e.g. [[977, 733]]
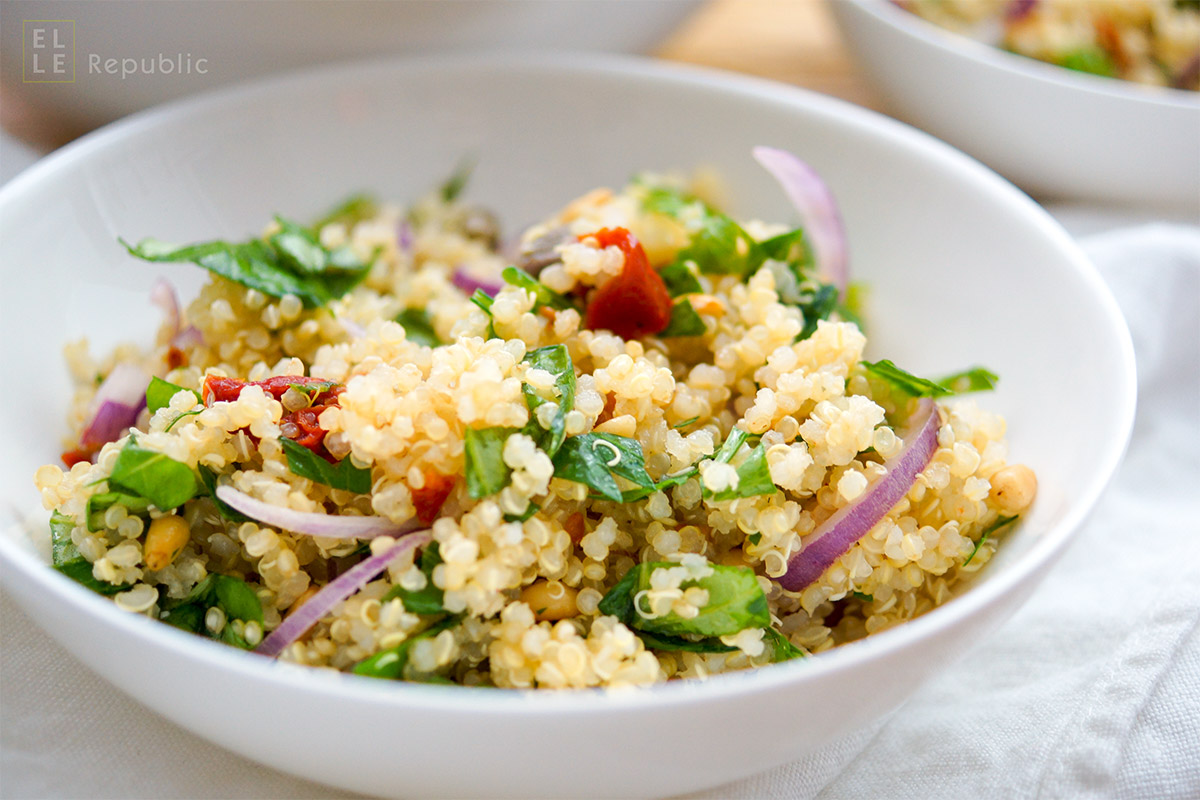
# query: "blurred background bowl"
[[1057, 133], [243, 39]]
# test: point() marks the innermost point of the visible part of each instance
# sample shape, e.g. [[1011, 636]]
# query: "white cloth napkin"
[[1091, 690]]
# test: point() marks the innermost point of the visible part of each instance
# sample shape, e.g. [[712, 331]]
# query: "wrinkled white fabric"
[[1091, 690]]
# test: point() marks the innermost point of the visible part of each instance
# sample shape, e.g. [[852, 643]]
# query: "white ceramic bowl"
[[1057, 133], [963, 268]]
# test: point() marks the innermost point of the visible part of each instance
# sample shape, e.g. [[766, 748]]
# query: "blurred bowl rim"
[[19, 556], [990, 55]]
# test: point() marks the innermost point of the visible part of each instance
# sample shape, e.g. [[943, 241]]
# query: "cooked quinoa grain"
[[532, 499]]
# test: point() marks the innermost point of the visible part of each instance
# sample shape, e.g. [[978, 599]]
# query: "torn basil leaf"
[[292, 261], [342, 475], [160, 479]]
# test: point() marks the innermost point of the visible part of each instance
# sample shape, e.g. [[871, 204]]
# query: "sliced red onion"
[[404, 235], [1019, 9], [468, 283], [162, 294], [825, 545], [330, 526], [302, 619], [817, 207], [189, 336], [116, 405]]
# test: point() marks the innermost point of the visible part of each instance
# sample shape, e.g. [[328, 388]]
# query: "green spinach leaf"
[[342, 475]]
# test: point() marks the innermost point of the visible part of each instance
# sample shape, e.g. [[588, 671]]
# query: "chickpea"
[[1013, 488], [166, 537], [550, 600]]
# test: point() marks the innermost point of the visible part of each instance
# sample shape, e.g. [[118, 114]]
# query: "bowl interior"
[[962, 268]]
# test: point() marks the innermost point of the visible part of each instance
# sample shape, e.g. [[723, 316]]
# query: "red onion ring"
[[189, 336], [825, 545], [302, 619], [330, 526], [817, 207], [116, 405], [404, 235], [468, 283]]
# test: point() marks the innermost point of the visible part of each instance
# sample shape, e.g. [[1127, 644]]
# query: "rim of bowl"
[[533, 702], [959, 44]]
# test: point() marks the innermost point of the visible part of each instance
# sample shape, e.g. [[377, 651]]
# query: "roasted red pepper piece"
[[429, 499], [73, 457], [309, 433], [634, 303]]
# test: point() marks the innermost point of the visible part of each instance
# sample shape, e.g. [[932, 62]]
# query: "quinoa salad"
[[639, 442], [1151, 42]]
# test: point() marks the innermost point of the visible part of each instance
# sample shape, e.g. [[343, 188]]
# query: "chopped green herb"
[[781, 649], [976, 379], [342, 475], [666, 642], [486, 471], [184, 415], [685, 423], [418, 328], [66, 558], [557, 361], [389, 664], [291, 262], [160, 392], [529, 511], [999, 524], [866, 598], [97, 504], [542, 294], [230, 594], [354, 209], [1092, 60], [754, 478], [735, 602], [733, 442], [680, 279], [684, 321], [594, 458], [754, 538], [816, 304], [209, 479], [429, 599], [160, 479], [453, 186]]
